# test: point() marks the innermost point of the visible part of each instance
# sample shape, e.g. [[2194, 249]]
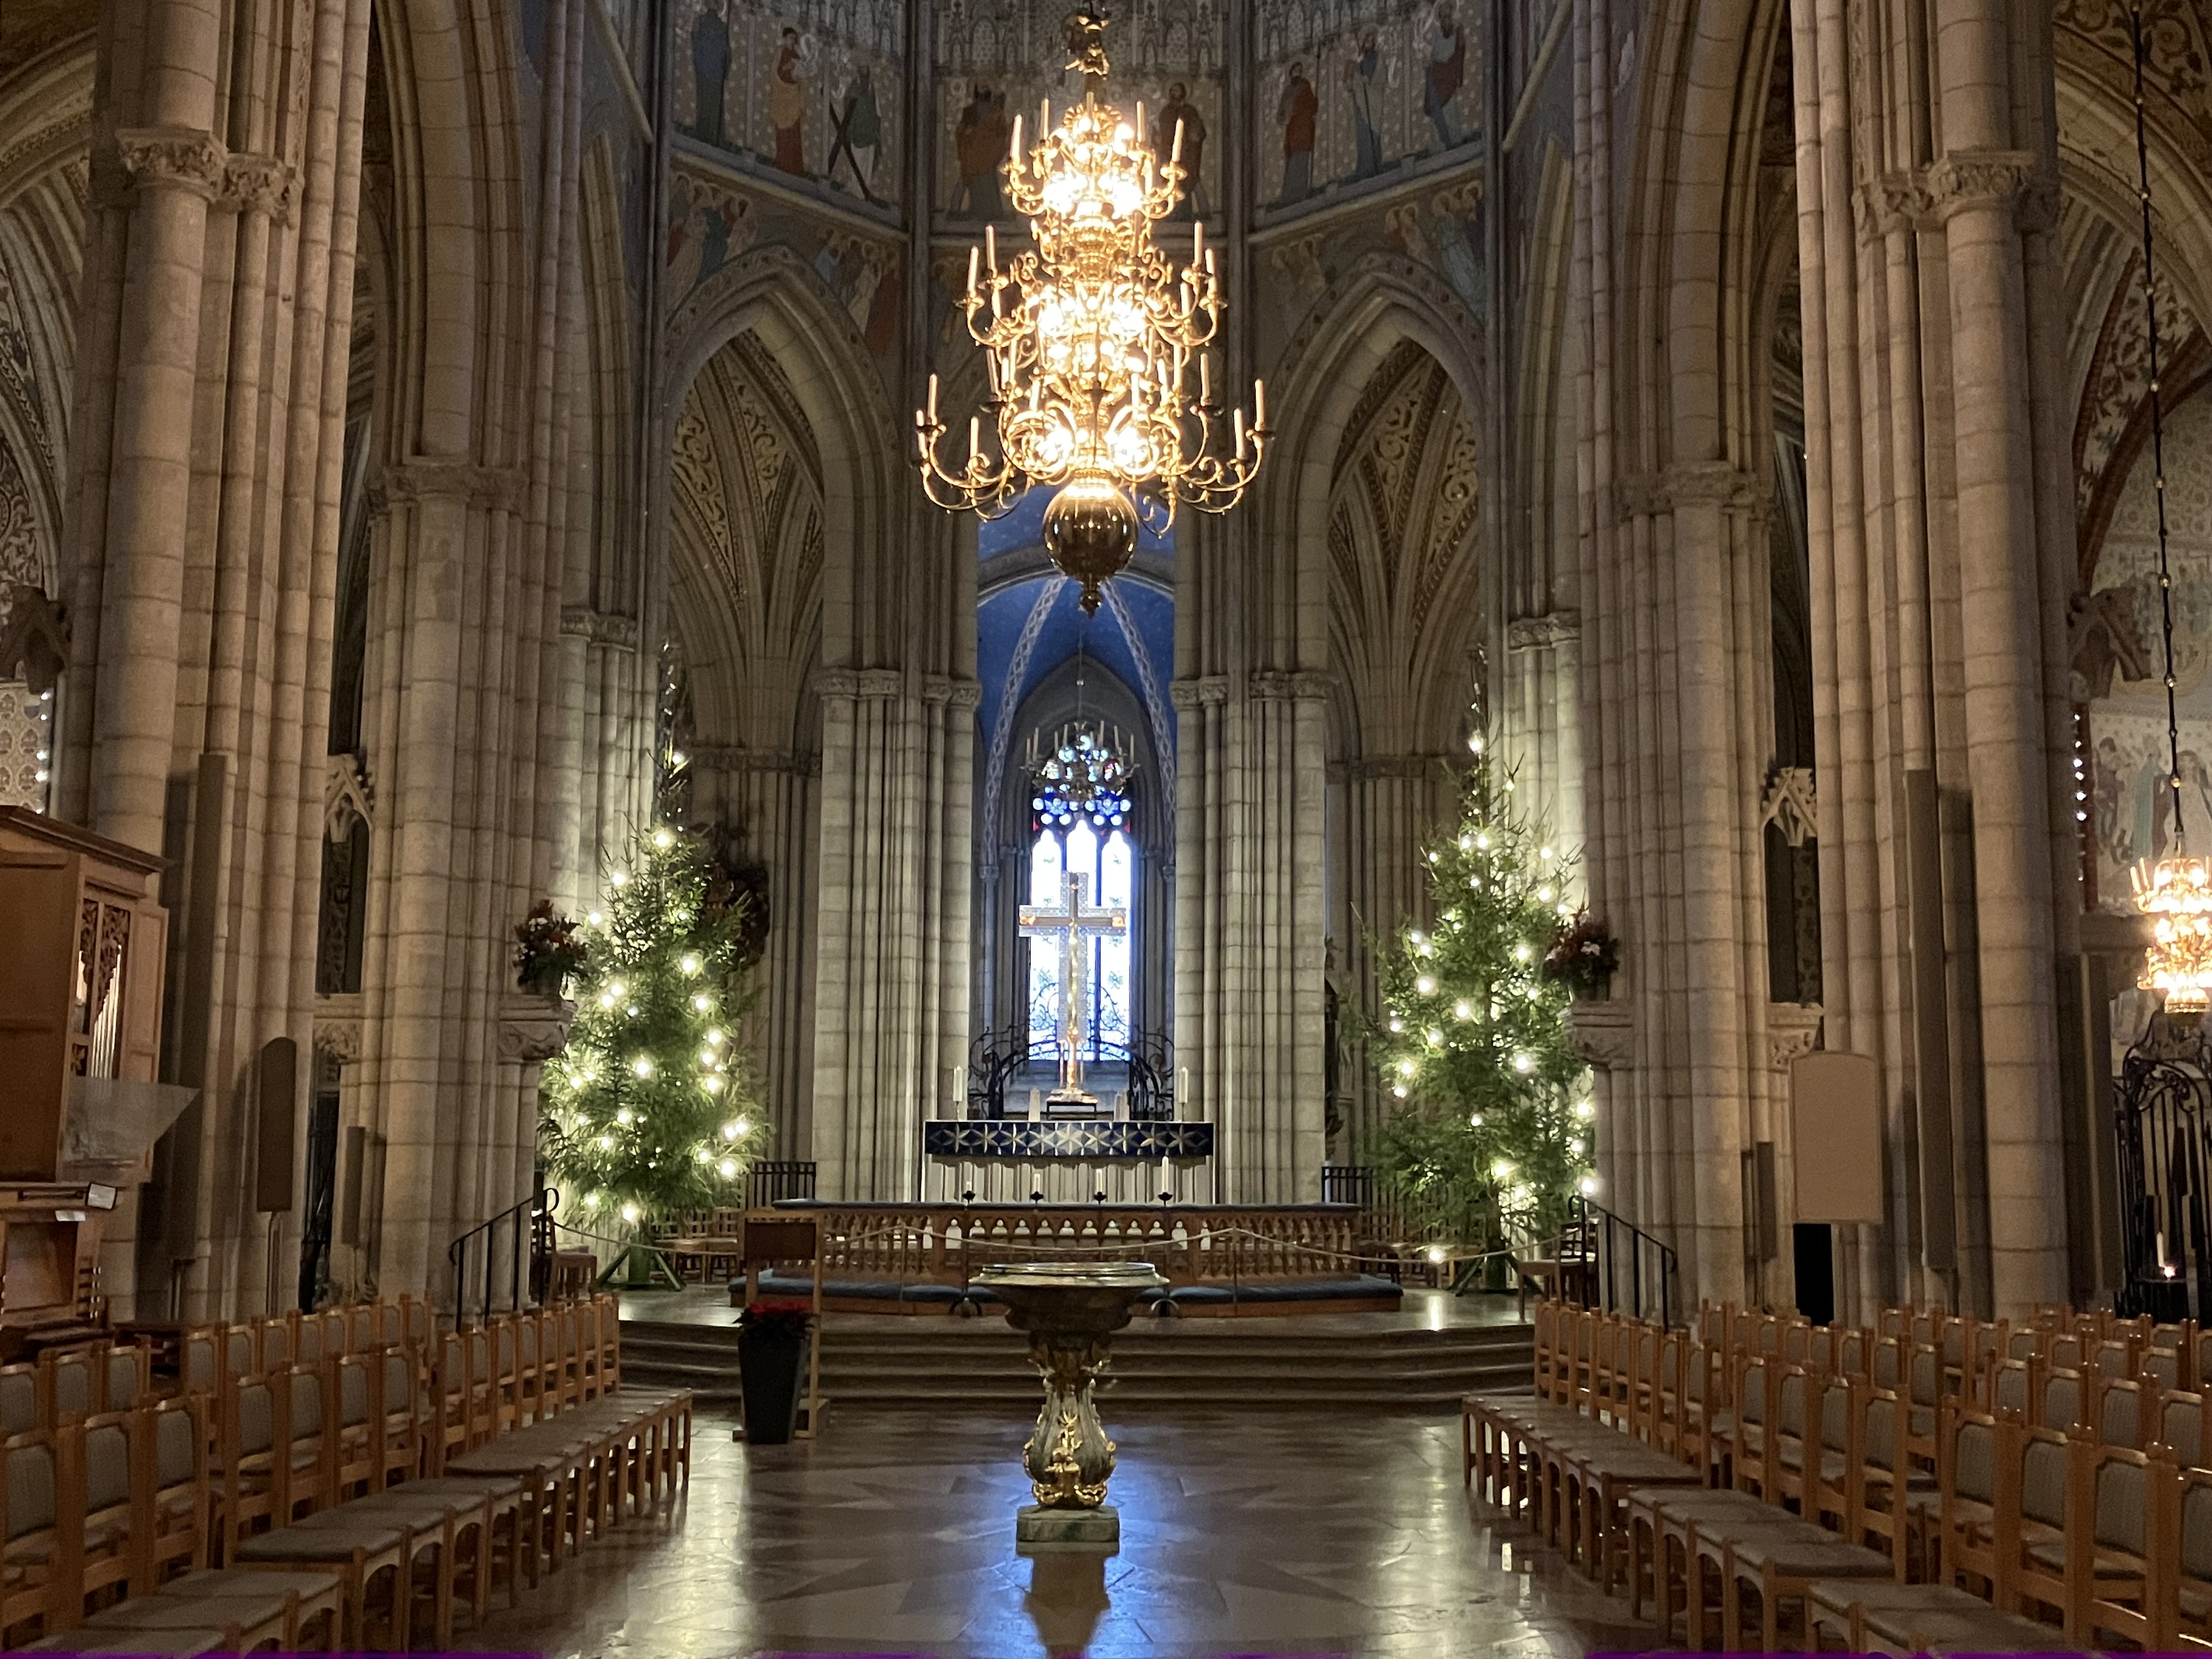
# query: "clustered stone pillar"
[[1927, 180], [895, 916], [1249, 913], [201, 545], [495, 644], [1671, 661]]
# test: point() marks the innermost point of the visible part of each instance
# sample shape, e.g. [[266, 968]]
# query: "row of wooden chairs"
[[350, 1449], [1808, 1464]]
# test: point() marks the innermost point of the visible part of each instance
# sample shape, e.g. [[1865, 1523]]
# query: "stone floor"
[[894, 1534]]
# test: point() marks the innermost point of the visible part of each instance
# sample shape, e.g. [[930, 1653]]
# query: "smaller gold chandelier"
[[2177, 893], [1091, 341]]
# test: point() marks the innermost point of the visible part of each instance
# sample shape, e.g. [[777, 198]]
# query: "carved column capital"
[[1791, 1030], [261, 184], [1603, 1033], [1687, 483], [533, 1028], [735, 759], [337, 1026], [944, 690], [599, 627], [1966, 180], [175, 158], [440, 477], [1895, 201], [1211, 691], [1553, 628], [857, 684], [1275, 685]]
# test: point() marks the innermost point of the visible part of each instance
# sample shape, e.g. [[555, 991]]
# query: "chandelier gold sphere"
[[1097, 347]]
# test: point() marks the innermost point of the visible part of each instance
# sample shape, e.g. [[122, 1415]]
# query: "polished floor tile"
[[1319, 1534]]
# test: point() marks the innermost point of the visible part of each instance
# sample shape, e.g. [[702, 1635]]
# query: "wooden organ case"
[[82, 949]]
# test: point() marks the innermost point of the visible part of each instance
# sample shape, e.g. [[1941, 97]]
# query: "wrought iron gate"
[[2165, 1134]]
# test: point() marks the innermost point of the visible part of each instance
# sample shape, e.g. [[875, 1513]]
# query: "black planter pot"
[[769, 1358]]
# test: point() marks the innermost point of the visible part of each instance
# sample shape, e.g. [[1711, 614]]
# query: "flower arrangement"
[[1583, 956], [777, 1318], [547, 949]]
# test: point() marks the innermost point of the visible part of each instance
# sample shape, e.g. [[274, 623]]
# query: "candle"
[[1044, 115], [990, 250], [932, 400], [1197, 242], [1140, 120], [1240, 434], [974, 259], [1259, 403], [1175, 150], [975, 435], [1206, 377], [1014, 149]]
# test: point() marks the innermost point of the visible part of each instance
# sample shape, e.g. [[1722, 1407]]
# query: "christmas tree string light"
[[1487, 1129], [651, 1108]]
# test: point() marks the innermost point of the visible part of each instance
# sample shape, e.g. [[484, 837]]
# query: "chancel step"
[[885, 1362]]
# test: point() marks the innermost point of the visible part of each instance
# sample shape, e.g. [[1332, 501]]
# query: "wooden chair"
[[174, 1492], [349, 1385], [101, 1454], [41, 1500], [396, 1427]]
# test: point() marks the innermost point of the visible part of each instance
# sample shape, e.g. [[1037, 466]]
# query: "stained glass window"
[[1091, 842]]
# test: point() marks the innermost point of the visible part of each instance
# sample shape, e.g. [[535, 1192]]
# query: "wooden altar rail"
[[1190, 1244]]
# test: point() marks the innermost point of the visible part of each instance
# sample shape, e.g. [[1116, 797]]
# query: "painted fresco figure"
[[787, 106], [860, 134], [1446, 73], [710, 70], [1359, 76], [1297, 111], [979, 146], [1179, 108]]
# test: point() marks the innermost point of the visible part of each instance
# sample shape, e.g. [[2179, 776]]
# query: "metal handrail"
[[539, 1207], [1590, 1261]]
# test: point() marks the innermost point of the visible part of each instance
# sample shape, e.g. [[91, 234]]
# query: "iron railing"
[[999, 1056], [1608, 1261], [1347, 1183], [477, 1254]]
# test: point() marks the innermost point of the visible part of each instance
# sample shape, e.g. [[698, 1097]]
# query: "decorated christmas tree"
[[651, 1109], [1489, 1131]]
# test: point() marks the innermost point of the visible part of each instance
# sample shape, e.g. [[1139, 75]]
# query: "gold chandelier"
[[2176, 891], [1091, 341]]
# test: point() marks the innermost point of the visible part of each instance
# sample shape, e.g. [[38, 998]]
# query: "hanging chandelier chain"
[[2157, 424]]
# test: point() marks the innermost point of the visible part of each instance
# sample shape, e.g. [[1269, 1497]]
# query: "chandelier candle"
[[1090, 341]]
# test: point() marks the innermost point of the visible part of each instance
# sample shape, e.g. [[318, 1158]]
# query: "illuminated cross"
[[1074, 925]]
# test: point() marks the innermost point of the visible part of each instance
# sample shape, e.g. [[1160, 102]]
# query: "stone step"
[[934, 1361]]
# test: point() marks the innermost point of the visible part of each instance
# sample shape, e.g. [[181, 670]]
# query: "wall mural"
[[1346, 95], [1439, 227], [807, 89], [2129, 819], [714, 220], [998, 57]]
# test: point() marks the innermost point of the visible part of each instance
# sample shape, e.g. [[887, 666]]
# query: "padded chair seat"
[[1933, 1618], [1801, 1550], [304, 1540], [465, 1488], [151, 1643], [242, 1581], [249, 1612]]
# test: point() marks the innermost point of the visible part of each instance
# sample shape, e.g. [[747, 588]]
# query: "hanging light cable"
[[2175, 891]]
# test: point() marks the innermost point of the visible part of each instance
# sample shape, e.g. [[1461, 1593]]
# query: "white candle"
[[1175, 150], [976, 436], [933, 399], [1259, 402], [1240, 433], [1140, 120], [1206, 377], [991, 248], [1197, 241], [974, 258], [1014, 149]]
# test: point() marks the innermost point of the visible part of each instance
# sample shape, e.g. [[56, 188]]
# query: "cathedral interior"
[[444, 442]]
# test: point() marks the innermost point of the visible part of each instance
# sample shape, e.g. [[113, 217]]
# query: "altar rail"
[[1191, 1244]]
